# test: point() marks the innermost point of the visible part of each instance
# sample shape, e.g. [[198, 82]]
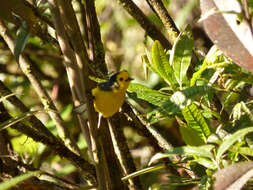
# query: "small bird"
[[110, 95]]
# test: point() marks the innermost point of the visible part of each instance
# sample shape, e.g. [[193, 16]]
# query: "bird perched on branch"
[[110, 95]]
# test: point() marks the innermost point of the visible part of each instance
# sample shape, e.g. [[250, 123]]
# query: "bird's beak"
[[129, 79]]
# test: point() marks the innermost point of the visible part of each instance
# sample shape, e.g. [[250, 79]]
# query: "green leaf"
[[152, 96], [211, 58], [196, 121], [21, 39], [180, 57], [143, 171], [12, 182], [180, 99], [200, 151], [15, 120], [190, 136], [193, 91], [147, 59], [231, 140], [161, 63], [247, 111], [242, 150], [206, 163], [22, 144]]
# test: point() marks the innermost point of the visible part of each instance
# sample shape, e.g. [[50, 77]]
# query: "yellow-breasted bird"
[[110, 95]]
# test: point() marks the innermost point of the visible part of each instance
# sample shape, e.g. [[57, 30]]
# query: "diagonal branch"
[[166, 19]]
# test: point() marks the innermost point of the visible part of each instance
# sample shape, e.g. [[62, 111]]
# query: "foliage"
[[193, 105]]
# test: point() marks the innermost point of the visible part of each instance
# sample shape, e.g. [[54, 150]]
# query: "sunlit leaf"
[[152, 96], [206, 163], [196, 121], [180, 57], [242, 150], [227, 143], [161, 63], [202, 151], [211, 58]]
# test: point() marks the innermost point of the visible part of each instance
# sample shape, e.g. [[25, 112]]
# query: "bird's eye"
[[121, 79]]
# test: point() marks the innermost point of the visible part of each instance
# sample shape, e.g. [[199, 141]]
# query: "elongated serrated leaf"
[[180, 57], [12, 182], [201, 151], [15, 120], [233, 177], [196, 121], [193, 91], [152, 96], [21, 39], [231, 140], [180, 99], [161, 63]]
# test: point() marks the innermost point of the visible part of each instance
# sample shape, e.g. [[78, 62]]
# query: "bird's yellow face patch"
[[123, 80]]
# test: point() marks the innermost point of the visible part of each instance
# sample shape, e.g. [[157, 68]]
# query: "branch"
[[97, 53], [82, 21], [38, 14], [166, 19], [122, 150], [49, 106], [140, 128], [142, 123], [145, 23]]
